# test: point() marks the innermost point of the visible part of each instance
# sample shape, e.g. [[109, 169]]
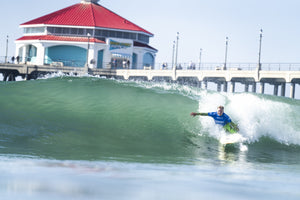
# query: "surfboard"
[[231, 139]]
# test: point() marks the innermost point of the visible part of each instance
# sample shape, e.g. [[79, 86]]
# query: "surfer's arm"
[[201, 114], [233, 126]]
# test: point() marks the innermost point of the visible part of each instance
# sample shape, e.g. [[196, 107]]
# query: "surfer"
[[219, 117]]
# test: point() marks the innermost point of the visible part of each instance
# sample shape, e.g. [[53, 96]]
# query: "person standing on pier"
[[18, 59]]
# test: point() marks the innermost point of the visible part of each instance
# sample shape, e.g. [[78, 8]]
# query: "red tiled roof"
[[87, 14], [60, 38]]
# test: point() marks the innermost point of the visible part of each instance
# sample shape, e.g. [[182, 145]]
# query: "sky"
[[202, 24]]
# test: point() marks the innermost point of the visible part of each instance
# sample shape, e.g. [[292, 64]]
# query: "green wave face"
[[98, 119]]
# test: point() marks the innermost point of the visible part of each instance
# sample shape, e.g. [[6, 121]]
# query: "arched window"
[[31, 53], [69, 55], [148, 60]]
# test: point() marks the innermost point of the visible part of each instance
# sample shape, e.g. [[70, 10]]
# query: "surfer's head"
[[220, 110]]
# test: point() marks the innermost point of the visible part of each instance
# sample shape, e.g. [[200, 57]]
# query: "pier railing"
[[232, 66], [195, 66]]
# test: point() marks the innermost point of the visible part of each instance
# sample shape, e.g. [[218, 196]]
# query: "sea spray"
[[257, 115]]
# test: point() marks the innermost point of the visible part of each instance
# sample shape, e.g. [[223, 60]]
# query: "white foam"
[[257, 116]]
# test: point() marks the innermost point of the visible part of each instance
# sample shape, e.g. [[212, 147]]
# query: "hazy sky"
[[201, 23]]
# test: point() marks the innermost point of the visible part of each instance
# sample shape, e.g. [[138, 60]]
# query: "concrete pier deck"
[[220, 77]]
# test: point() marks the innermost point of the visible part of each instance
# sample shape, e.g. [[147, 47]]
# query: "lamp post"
[[6, 49], [173, 55], [259, 51], [200, 58], [177, 38], [226, 49], [87, 53]]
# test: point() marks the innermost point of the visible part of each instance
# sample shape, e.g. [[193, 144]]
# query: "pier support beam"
[[199, 84], [292, 90], [225, 88], [246, 87], [254, 87], [275, 92], [282, 89], [5, 75], [219, 87], [9, 76], [232, 87], [205, 85], [262, 88]]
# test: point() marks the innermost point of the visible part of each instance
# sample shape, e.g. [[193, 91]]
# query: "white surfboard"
[[231, 138]]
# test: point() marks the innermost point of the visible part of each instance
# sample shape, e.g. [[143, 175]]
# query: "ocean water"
[[94, 138]]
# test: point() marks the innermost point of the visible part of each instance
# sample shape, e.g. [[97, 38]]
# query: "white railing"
[[187, 65]]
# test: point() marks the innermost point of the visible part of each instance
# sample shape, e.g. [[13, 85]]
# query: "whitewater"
[[68, 137]]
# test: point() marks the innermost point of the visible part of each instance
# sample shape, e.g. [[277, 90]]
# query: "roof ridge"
[[126, 21], [93, 14]]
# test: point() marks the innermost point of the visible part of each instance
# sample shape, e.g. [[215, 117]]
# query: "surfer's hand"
[[193, 114]]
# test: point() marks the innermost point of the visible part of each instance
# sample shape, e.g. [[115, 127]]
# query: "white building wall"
[[40, 56], [139, 52], [98, 47], [106, 57], [93, 51]]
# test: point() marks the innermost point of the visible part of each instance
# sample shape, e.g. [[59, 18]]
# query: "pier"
[[225, 79]]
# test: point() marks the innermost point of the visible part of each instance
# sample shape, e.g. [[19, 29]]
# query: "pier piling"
[[292, 92]]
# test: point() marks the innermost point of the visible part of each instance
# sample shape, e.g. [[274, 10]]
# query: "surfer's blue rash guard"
[[221, 120]]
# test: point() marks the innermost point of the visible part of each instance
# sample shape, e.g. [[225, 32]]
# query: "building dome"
[[90, 1]]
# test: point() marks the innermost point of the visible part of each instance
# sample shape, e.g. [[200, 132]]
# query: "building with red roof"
[[85, 34]]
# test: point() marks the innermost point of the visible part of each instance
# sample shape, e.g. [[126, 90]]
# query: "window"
[[119, 34], [50, 30], [148, 60], [143, 38], [58, 30], [90, 31], [98, 32], [126, 35], [74, 31], [34, 30], [105, 33], [66, 31], [112, 33], [80, 32], [133, 36]]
